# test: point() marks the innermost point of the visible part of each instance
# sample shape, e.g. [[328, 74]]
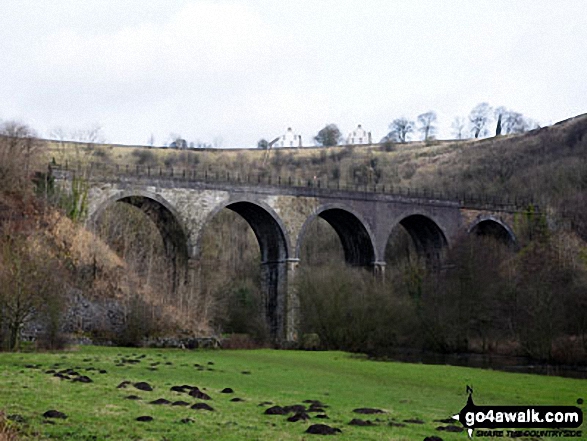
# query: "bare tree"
[[79, 146], [479, 118], [400, 129], [458, 127], [427, 124], [20, 154], [513, 122], [30, 283]]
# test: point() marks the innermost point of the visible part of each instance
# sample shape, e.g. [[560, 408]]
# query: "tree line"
[[475, 125]]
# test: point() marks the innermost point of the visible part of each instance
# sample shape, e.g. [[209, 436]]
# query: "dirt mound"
[[144, 386], [322, 429], [276, 410], [202, 406], [367, 410], [54, 414], [300, 416], [145, 418]]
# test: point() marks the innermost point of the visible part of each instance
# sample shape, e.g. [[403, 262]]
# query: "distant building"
[[179, 143], [290, 139], [359, 136]]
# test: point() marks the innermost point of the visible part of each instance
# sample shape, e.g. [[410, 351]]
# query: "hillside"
[[545, 164], [57, 277]]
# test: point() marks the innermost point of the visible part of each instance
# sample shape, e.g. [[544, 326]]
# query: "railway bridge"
[[182, 203]]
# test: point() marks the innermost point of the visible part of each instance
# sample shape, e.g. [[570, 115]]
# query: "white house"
[[290, 139], [359, 136]]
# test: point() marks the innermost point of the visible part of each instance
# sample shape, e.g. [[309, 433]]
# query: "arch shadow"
[[491, 226], [428, 238], [353, 231], [268, 227], [274, 246]]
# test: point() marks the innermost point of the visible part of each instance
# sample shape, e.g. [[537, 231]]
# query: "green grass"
[[98, 410]]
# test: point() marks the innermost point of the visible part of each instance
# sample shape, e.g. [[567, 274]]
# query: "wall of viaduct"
[[279, 217]]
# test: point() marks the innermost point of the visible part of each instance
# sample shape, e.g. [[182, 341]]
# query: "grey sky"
[[245, 70]]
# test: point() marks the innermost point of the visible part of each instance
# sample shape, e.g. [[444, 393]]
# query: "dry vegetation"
[[7, 431], [49, 263]]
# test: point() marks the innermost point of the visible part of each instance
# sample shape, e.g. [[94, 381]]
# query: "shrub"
[[32, 285], [347, 309], [145, 157], [244, 312], [20, 155], [388, 146]]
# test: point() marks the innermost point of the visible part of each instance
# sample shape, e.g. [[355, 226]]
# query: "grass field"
[[99, 410]]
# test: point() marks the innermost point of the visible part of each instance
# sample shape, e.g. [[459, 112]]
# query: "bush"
[[140, 324], [388, 146], [244, 312], [20, 155], [347, 309], [145, 157], [32, 287]]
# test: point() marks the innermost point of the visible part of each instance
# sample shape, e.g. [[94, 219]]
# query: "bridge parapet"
[[186, 177]]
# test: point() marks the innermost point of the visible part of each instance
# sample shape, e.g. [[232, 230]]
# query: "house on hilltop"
[[289, 139], [359, 136]]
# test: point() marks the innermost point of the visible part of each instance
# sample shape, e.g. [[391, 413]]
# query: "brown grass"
[[7, 430]]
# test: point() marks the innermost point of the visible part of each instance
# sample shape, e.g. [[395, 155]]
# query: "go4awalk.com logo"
[[519, 421]]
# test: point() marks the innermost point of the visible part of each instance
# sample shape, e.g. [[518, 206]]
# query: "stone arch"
[[494, 227], [268, 227], [428, 237], [167, 220], [274, 246], [353, 231]]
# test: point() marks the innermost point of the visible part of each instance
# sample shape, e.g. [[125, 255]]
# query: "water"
[[505, 363]]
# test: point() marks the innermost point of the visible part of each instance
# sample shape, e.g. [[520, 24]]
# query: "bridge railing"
[[97, 170]]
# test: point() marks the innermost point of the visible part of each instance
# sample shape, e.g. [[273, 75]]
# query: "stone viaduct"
[[279, 214]]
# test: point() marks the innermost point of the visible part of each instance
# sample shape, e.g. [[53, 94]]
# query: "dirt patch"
[[451, 428], [367, 410], [180, 403], [300, 416], [144, 386], [202, 406], [322, 429], [54, 414], [276, 410], [197, 393], [145, 418]]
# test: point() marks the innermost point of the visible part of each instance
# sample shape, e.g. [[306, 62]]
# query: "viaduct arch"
[[488, 225], [354, 233]]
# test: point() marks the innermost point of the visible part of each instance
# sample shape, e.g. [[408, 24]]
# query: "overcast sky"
[[238, 71]]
